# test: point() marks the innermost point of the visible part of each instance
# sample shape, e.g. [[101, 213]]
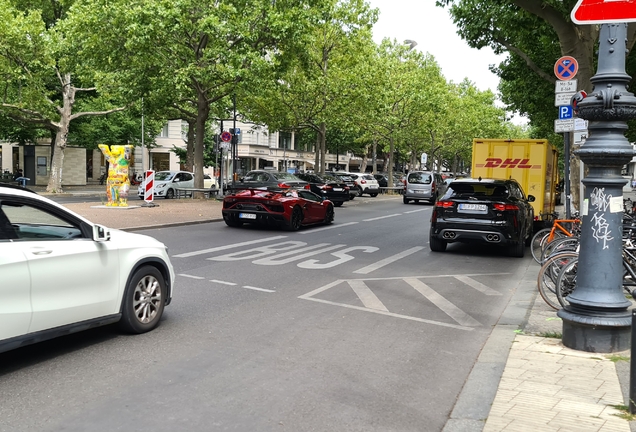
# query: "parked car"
[[365, 184], [423, 186], [270, 179], [285, 207], [209, 182], [63, 274], [483, 211], [327, 186], [398, 181], [167, 181], [348, 180]]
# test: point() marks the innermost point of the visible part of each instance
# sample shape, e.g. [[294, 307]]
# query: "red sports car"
[[289, 208]]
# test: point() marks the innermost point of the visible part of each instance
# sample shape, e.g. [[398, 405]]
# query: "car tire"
[[141, 197], [338, 203], [360, 191], [352, 197], [296, 219], [518, 249], [144, 300], [232, 221], [170, 194], [436, 244], [329, 215], [528, 241], [405, 200], [433, 200], [373, 195]]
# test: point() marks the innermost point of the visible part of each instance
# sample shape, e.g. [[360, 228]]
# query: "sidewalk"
[[524, 379]]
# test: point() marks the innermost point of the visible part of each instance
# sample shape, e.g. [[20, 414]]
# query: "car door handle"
[[41, 251]]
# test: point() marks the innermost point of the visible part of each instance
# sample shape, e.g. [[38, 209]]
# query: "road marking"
[[258, 289], [415, 211], [372, 267], [326, 228], [369, 300], [230, 246], [382, 217], [222, 282], [309, 251], [477, 285], [446, 306], [189, 276]]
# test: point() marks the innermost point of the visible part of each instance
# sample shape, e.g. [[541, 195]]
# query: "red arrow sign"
[[603, 11]]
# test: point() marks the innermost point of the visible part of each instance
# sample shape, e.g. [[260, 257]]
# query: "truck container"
[[531, 162]]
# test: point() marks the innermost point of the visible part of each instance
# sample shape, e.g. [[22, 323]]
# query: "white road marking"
[[189, 276], [296, 254], [222, 282], [368, 298], [382, 217], [478, 285], [258, 289], [326, 228], [415, 211], [372, 267], [230, 246], [447, 307]]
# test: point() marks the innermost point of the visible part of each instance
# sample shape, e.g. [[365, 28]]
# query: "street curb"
[[169, 225]]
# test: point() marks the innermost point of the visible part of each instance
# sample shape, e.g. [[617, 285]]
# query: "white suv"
[[365, 184], [62, 274]]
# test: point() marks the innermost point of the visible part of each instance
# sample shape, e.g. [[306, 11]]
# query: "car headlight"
[[161, 185]]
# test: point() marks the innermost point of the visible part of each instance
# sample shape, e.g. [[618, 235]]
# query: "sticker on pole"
[[603, 11], [566, 68], [149, 186]]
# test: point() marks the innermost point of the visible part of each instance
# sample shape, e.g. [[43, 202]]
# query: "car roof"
[[481, 180]]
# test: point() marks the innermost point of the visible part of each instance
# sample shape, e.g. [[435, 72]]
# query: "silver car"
[[423, 186]]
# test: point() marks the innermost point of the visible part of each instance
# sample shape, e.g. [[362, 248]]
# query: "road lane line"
[[258, 289], [447, 307], [368, 269], [382, 217], [415, 211], [368, 298], [311, 231], [230, 246], [309, 251], [191, 277], [222, 282], [478, 285]]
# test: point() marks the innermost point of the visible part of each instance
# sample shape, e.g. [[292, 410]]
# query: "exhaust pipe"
[[448, 235], [492, 237]]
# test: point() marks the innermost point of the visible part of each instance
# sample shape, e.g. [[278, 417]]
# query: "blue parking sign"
[[565, 112]]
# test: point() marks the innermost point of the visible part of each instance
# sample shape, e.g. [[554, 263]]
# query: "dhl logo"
[[508, 163]]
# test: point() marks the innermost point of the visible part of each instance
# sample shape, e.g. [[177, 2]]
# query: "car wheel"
[[351, 197], [170, 194], [528, 241], [436, 244], [329, 214], [373, 195], [518, 249], [296, 219], [232, 221], [141, 197], [337, 203], [143, 301], [360, 191], [405, 200], [434, 199]]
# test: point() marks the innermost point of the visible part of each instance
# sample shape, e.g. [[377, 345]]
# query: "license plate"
[[373, 186], [473, 207], [337, 189], [247, 216], [419, 191]]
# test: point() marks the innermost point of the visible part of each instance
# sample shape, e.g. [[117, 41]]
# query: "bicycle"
[[561, 228], [548, 277]]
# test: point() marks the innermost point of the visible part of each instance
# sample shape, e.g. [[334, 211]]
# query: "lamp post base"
[[608, 334]]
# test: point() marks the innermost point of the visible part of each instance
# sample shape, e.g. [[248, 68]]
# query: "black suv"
[[327, 186], [485, 211]]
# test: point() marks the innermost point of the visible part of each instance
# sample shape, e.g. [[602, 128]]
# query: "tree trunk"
[[57, 161], [375, 156], [323, 145], [190, 145], [391, 153], [365, 160], [203, 112]]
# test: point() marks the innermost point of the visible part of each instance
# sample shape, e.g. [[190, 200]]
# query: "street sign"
[[565, 112], [580, 137], [423, 158], [225, 145], [563, 99], [226, 136], [580, 124], [566, 86], [566, 68], [605, 11], [562, 126]]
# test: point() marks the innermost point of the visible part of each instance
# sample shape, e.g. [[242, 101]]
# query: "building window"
[[284, 140], [164, 132]]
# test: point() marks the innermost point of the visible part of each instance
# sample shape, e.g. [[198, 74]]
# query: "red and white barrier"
[[149, 186]]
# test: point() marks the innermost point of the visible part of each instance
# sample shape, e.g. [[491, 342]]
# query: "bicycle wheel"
[[566, 281], [556, 246], [548, 277], [536, 246]]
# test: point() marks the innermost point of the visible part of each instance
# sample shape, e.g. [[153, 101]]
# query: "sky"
[[434, 31]]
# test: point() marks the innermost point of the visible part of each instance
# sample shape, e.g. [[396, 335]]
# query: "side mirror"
[[530, 198], [100, 233], [177, 180]]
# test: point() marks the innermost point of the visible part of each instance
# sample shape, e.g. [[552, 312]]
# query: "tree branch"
[[96, 113], [531, 64]]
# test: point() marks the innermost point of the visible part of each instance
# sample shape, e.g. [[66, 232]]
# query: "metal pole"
[[221, 182], [566, 162], [596, 318], [632, 370], [234, 142]]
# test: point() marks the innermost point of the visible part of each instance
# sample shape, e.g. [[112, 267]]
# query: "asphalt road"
[[351, 327]]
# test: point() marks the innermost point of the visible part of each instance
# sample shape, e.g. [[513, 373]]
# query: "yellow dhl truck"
[[532, 162]]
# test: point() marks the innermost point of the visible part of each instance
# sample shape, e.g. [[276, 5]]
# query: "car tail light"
[[505, 207], [363, 181], [307, 186], [433, 186], [445, 204], [283, 185], [346, 188], [404, 181], [326, 187]]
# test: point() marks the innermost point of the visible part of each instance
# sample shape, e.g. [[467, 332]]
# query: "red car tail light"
[[445, 204], [363, 181], [307, 187], [326, 187], [283, 185], [505, 207], [433, 186]]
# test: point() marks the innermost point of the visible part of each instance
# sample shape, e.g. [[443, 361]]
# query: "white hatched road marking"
[[372, 267], [258, 289], [326, 228], [230, 246], [415, 211], [223, 282], [381, 217], [477, 285], [190, 276], [447, 307], [367, 297]]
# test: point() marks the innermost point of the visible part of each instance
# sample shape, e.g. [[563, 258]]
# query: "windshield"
[[420, 178], [479, 189], [284, 176], [164, 175]]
